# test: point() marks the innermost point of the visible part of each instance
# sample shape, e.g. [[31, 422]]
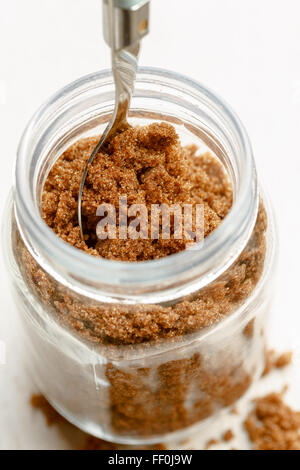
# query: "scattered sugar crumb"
[[211, 442], [273, 425], [276, 361], [228, 435], [51, 415]]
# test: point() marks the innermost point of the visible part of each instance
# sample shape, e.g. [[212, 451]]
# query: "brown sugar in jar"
[[148, 166], [136, 340]]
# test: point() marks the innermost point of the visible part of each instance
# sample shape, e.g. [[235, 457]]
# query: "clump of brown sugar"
[[149, 166], [249, 328], [228, 435], [277, 361], [93, 443], [273, 425], [51, 415], [212, 389], [210, 443]]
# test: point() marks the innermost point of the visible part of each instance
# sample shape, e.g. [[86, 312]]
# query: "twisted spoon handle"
[[125, 23]]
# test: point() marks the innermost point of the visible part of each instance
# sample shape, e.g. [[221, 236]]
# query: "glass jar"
[[205, 310]]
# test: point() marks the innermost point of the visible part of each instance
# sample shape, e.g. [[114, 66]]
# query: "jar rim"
[[83, 272]]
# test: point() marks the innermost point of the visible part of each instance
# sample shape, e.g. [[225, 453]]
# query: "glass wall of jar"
[[204, 310]]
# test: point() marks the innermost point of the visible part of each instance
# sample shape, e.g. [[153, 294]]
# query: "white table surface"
[[248, 51]]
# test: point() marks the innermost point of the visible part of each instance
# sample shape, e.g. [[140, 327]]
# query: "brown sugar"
[[197, 178], [210, 443], [249, 328], [52, 417], [41, 403], [92, 443], [284, 360], [150, 166], [228, 435], [276, 361], [129, 392], [144, 323], [273, 425], [160, 446]]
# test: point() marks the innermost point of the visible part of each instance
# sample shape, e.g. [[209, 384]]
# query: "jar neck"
[[82, 108]]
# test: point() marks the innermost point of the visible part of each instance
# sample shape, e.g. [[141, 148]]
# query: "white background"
[[248, 51]]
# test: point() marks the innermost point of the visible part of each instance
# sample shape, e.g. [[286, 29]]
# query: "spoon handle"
[[128, 24], [125, 23]]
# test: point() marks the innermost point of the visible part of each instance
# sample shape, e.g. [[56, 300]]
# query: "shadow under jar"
[[205, 309]]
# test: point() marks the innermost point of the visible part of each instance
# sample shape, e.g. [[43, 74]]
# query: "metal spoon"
[[125, 22]]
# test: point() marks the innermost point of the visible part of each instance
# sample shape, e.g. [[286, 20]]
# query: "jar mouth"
[[162, 279]]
